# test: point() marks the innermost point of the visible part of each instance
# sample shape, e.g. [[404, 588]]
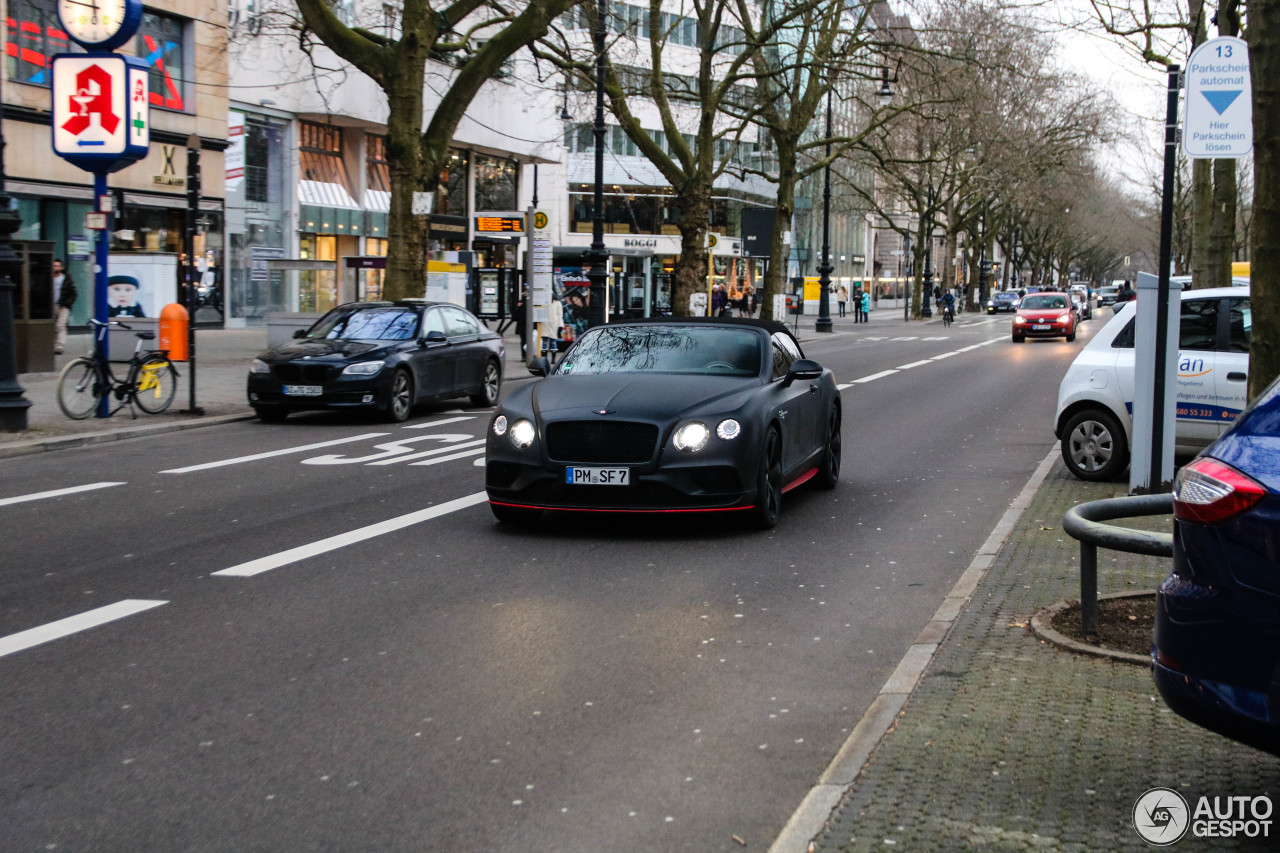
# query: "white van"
[[1095, 400]]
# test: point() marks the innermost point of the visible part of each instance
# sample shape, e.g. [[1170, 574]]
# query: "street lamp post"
[[13, 405], [597, 256], [824, 272], [927, 288]]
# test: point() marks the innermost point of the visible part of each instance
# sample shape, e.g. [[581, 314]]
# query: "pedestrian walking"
[[64, 297], [842, 296], [857, 305], [866, 306], [748, 300], [519, 316]]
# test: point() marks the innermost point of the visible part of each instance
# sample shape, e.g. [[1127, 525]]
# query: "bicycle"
[[948, 316], [151, 382]]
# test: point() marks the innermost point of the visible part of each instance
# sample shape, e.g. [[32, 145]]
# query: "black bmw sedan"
[[387, 356], [671, 415]]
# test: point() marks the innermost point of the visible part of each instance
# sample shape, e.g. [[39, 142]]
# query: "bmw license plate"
[[303, 390], [597, 476], [1041, 327]]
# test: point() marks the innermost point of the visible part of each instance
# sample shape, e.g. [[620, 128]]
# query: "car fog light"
[[253, 397], [367, 398], [500, 425], [692, 437], [522, 433], [729, 429]]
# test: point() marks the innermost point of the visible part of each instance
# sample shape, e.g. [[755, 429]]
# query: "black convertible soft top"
[[769, 326]]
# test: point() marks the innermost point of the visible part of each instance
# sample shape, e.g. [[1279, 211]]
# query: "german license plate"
[[597, 476], [303, 390], [1041, 327]]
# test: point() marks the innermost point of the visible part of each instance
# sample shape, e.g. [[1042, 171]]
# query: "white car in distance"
[[1094, 420]]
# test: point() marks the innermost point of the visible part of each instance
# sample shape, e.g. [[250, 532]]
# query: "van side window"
[[1240, 324], [1198, 328], [1124, 338]]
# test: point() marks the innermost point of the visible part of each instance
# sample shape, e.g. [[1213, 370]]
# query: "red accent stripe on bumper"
[[572, 509], [800, 481]]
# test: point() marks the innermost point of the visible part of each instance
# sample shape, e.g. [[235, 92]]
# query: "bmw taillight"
[[1210, 492]]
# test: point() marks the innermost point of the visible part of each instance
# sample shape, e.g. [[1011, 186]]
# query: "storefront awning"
[[325, 194]]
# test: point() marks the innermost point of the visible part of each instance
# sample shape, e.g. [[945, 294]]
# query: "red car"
[[1044, 315]]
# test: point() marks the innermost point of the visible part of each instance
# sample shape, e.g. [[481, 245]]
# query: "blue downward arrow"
[[1221, 99]]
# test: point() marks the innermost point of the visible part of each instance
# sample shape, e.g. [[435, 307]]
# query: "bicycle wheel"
[[79, 388], [154, 382]]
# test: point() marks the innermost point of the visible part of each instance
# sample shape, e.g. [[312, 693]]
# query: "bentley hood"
[[656, 396]]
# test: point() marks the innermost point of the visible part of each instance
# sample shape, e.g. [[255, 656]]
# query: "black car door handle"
[[1237, 376], [813, 387]]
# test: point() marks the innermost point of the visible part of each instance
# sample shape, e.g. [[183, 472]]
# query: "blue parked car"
[[1217, 637]]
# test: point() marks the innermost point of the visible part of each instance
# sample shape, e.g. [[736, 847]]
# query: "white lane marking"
[[342, 540], [74, 624], [56, 493], [439, 423], [913, 364], [944, 355], [873, 338], [256, 456], [396, 448], [907, 338], [463, 455], [873, 377], [479, 442], [937, 338], [479, 463], [844, 386]]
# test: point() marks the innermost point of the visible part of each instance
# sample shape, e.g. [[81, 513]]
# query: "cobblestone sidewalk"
[[1009, 743]]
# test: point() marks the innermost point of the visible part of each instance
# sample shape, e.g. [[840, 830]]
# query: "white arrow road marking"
[[302, 552], [432, 424], [391, 448], [74, 624], [256, 456], [56, 493]]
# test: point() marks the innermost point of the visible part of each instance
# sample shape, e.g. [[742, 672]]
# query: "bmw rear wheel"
[[400, 403], [490, 383], [1094, 446], [764, 515], [829, 470]]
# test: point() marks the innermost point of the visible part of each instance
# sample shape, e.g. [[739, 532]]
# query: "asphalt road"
[[294, 647]]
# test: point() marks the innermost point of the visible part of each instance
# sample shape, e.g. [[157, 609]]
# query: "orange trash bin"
[[173, 331]]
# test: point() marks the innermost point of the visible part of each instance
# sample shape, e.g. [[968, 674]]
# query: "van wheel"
[[1094, 446]]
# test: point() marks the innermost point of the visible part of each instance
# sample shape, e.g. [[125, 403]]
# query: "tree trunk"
[[1222, 230], [1201, 219], [779, 253], [1264, 49], [406, 232], [691, 265]]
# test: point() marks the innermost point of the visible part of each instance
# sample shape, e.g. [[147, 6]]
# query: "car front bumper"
[[1055, 330], [345, 392]]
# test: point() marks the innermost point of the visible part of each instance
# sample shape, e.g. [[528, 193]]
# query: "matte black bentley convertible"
[[669, 415]]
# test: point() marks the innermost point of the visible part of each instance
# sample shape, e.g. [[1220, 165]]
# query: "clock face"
[[92, 22]]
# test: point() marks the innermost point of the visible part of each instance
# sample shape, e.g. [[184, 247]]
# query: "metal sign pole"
[[100, 275], [1160, 398]]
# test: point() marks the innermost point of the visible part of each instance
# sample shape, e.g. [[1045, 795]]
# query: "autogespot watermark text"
[[1162, 817]]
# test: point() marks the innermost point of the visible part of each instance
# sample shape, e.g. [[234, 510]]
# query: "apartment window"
[[160, 44], [263, 160], [320, 161], [451, 193], [35, 36]]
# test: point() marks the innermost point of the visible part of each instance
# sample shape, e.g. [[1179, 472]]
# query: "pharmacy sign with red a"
[[101, 110]]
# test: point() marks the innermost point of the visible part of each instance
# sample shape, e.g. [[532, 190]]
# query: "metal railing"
[[1083, 522]]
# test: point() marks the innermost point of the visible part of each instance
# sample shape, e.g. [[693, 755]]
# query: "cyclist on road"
[[949, 305]]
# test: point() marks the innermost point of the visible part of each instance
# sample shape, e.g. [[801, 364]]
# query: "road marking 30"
[[431, 424], [205, 466], [74, 624], [399, 449], [56, 493], [333, 543]]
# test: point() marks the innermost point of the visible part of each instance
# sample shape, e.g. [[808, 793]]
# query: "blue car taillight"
[[1210, 492]]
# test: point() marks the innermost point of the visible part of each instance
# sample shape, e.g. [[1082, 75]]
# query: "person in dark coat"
[[64, 298]]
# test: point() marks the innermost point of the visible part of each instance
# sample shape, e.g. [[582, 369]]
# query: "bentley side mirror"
[[803, 368], [540, 366]]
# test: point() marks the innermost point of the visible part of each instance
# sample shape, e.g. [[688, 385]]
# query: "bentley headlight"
[[692, 437], [522, 434], [364, 368], [729, 429], [259, 366], [500, 425]]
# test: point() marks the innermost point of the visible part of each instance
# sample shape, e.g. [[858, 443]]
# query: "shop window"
[[451, 193], [35, 36], [323, 173], [161, 45], [495, 183], [263, 146], [377, 170]]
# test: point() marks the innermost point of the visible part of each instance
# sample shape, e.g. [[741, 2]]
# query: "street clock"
[[100, 24]]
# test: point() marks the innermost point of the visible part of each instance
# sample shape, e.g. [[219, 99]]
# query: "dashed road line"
[[873, 377], [56, 493], [333, 543], [74, 624], [914, 364]]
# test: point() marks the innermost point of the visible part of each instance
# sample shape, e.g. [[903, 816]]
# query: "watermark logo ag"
[[1161, 816]]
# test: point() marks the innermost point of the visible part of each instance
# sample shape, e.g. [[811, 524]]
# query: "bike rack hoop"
[[1084, 522]]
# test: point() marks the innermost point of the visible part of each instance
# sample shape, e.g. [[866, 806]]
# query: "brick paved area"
[[1009, 743]]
